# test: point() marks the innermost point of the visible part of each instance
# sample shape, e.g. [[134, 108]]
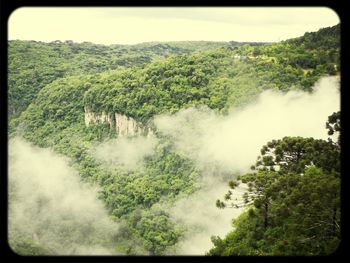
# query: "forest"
[[175, 148]]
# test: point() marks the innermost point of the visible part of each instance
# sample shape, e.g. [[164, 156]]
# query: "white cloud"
[[234, 141], [203, 219], [223, 146], [126, 152], [50, 205]]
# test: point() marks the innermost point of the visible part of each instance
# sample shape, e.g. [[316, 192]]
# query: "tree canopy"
[[293, 210], [50, 85]]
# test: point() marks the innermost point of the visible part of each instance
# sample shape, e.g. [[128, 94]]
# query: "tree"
[[293, 199], [293, 154], [333, 125], [261, 189]]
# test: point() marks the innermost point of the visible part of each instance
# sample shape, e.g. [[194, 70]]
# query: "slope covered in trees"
[[33, 64], [51, 85]]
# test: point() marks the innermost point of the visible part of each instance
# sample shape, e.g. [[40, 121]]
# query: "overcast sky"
[[135, 25]]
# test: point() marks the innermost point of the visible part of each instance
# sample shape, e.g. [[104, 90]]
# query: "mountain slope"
[[60, 81]]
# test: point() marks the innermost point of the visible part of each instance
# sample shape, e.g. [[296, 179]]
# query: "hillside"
[[73, 97], [33, 64]]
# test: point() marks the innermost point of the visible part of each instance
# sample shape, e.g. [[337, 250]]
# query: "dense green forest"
[[293, 210], [33, 64]]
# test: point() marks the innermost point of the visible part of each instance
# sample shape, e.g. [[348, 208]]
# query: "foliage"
[[292, 154], [333, 125], [148, 232], [34, 64], [292, 211], [51, 85], [303, 219]]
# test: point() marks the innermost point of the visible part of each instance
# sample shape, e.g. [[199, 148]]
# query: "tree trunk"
[[266, 214], [334, 218], [334, 226]]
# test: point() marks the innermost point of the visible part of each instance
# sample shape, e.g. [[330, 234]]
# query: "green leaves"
[[333, 124], [50, 84], [294, 215], [293, 154], [295, 211], [220, 204], [233, 184]]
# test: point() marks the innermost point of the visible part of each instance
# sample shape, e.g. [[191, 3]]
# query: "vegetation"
[[32, 64], [292, 211], [51, 85]]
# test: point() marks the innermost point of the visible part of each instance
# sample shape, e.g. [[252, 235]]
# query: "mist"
[[50, 207], [234, 141], [223, 146], [128, 153], [203, 219]]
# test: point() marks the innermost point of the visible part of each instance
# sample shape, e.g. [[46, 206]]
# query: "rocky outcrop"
[[94, 118], [123, 125]]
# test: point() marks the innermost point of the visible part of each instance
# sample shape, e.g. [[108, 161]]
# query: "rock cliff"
[[123, 125]]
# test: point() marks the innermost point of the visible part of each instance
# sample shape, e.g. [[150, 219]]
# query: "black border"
[[8, 6]]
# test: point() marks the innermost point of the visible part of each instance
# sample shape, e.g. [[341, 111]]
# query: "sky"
[[130, 25]]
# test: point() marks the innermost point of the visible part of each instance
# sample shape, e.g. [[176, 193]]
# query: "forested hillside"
[[76, 98], [34, 64]]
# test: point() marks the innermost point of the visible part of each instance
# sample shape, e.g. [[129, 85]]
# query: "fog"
[[203, 219], [128, 153], [51, 206], [224, 146], [234, 141]]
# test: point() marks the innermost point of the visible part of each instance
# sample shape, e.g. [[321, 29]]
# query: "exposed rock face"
[[123, 125], [94, 118]]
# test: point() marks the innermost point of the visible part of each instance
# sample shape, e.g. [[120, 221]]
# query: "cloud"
[[224, 146], [126, 152], [49, 205], [234, 141], [203, 219]]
